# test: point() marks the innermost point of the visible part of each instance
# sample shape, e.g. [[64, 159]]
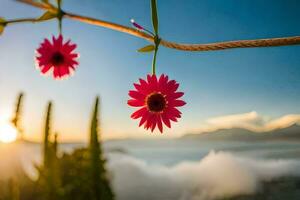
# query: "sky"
[[237, 82]]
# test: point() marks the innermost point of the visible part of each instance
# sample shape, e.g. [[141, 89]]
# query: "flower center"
[[57, 58], [156, 102]]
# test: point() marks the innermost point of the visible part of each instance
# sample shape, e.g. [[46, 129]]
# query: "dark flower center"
[[156, 102], [57, 58]]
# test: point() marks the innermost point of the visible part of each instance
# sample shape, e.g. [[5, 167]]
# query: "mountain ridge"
[[241, 134]]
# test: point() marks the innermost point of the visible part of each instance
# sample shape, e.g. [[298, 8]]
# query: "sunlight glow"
[[8, 133]]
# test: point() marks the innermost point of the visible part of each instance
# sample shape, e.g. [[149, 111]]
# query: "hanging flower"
[[57, 57], [158, 102]]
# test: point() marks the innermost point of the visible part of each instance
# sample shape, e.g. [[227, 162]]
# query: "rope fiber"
[[270, 42]]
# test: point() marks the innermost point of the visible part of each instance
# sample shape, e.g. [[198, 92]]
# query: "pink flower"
[[157, 100], [57, 57]]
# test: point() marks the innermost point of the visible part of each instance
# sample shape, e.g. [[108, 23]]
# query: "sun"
[[8, 133]]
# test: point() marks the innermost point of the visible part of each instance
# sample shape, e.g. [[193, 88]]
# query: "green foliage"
[[1, 29], [98, 175], [154, 16], [2, 25], [13, 192], [75, 176], [17, 187], [48, 183], [147, 49], [2, 20], [55, 143], [59, 3], [74, 170], [47, 16], [83, 174], [46, 143], [156, 36], [18, 112]]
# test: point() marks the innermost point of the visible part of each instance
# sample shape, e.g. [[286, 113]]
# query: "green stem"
[[60, 16], [156, 43], [154, 60], [60, 25]]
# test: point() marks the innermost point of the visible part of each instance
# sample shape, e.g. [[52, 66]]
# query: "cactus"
[[47, 135], [49, 180], [18, 111], [99, 181]]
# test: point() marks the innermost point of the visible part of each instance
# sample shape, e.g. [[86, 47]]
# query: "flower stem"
[[154, 61], [156, 42], [60, 25], [59, 16]]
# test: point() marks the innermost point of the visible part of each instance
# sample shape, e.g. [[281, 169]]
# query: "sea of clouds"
[[218, 175]]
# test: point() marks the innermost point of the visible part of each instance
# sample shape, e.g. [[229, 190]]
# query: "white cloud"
[[251, 121], [283, 122], [218, 175]]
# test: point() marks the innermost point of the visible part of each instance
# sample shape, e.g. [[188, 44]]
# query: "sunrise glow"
[[8, 133]]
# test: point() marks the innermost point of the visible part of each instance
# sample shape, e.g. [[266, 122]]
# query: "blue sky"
[[265, 80]]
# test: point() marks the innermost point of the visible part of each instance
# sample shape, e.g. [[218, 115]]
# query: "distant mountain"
[[291, 133], [283, 188]]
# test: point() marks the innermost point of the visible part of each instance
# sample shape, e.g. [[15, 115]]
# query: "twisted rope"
[[270, 42], [234, 44]]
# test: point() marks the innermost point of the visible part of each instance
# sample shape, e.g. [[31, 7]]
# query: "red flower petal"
[[149, 122], [174, 112], [172, 86], [136, 95], [158, 99], [138, 87], [68, 48], [143, 82], [159, 123], [152, 83], [58, 56], [137, 114], [172, 118], [177, 103], [57, 43], [166, 120], [46, 68], [56, 73], [144, 118], [176, 95], [153, 124], [135, 103]]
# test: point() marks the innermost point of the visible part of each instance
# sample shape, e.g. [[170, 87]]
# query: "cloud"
[[283, 122], [251, 121], [218, 175]]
